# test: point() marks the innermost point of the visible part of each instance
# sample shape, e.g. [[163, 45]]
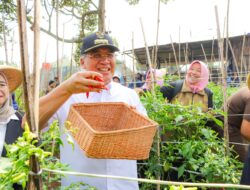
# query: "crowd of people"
[[97, 59]]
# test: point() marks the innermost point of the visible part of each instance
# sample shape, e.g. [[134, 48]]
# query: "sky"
[[181, 20]]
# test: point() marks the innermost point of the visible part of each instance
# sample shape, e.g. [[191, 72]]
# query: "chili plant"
[[189, 146], [218, 94], [15, 168]]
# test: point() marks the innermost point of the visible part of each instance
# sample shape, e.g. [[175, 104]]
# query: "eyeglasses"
[[100, 57]]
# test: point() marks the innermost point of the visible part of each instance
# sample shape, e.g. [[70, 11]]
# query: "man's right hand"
[[84, 81]]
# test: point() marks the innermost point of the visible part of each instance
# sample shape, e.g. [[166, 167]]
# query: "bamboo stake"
[[176, 61], [185, 59], [101, 16], [186, 54], [152, 76], [227, 23], [212, 52], [133, 60], [57, 43], [71, 59], [224, 83], [36, 68], [157, 35], [234, 58], [189, 184], [61, 60], [35, 180], [204, 53], [179, 61], [166, 65], [241, 59], [4, 40], [205, 56], [12, 47], [148, 58], [156, 51], [124, 70], [35, 167]]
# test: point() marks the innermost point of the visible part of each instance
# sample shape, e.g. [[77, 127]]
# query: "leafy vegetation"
[[15, 168], [188, 146], [218, 94]]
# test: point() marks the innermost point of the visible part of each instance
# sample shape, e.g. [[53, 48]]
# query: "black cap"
[[97, 40]]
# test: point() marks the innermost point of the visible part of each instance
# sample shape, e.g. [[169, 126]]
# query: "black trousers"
[[245, 178]]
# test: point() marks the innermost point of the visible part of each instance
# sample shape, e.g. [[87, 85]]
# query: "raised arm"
[[77, 83], [245, 129]]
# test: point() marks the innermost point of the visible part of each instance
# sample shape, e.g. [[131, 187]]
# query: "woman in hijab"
[[193, 89], [10, 119], [159, 80]]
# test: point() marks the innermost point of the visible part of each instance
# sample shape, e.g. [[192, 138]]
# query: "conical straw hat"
[[13, 76]]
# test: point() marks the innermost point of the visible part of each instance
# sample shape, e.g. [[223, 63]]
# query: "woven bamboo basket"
[[111, 130]]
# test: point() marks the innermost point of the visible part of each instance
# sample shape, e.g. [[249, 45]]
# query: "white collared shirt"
[[3, 127], [77, 159]]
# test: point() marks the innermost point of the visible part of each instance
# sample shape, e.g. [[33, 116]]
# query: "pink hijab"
[[203, 80], [159, 77]]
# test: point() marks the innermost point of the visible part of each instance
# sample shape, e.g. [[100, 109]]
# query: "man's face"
[[101, 60]]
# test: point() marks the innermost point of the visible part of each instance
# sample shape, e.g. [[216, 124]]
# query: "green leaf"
[[70, 140], [181, 170], [5, 165]]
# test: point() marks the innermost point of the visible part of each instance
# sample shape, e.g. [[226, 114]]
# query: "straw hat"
[[248, 80], [13, 76]]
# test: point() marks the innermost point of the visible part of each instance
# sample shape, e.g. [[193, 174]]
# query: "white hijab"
[[6, 110]]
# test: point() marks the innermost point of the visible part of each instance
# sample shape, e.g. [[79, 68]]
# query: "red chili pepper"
[[97, 78]]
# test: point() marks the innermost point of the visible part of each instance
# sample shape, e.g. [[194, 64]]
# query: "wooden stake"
[[179, 60], [152, 76], [155, 60], [133, 59], [30, 85], [154, 57], [212, 52], [148, 58], [234, 58], [241, 59], [71, 59], [224, 82], [204, 53], [57, 43], [4, 40], [176, 61], [186, 54]]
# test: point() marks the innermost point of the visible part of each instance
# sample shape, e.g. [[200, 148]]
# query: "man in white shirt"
[[97, 59]]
